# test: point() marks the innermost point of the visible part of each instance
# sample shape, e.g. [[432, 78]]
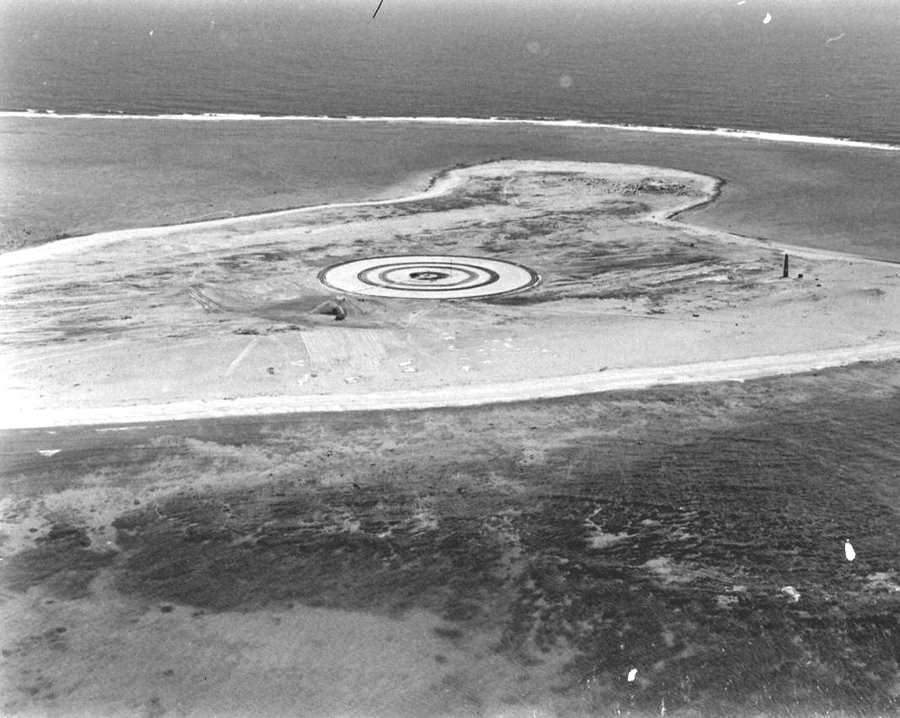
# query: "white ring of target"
[[428, 276]]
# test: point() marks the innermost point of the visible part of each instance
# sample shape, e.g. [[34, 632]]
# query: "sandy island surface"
[[217, 318]]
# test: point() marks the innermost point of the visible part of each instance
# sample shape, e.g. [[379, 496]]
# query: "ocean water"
[[808, 67]]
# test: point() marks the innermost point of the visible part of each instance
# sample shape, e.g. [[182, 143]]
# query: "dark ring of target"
[[385, 283], [471, 272], [467, 281]]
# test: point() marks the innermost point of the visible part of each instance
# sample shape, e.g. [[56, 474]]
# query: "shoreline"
[[80, 176], [735, 370], [440, 185]]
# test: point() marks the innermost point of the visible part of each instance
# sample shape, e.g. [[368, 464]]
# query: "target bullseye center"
[[428, 276]]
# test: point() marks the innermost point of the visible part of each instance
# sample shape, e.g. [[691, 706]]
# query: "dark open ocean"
[[818, 67]]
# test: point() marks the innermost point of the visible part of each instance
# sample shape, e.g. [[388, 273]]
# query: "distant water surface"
[[818, 67]]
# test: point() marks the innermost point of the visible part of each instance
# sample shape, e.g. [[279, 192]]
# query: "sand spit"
[[224, 317]]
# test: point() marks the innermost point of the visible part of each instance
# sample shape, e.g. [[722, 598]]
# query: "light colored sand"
[[463, 395], [104, 329]]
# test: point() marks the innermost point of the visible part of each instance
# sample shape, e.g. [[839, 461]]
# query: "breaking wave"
[[539, 121]]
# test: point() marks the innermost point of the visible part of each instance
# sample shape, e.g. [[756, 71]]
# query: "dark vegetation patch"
[[78, 327], [707, 537], [708, 529], [604, 276], [358, 549], [491, 195], [74, 288], [657, 186], [659, 534], [61, 563], [604, 209], [590, 267], [249, 259]]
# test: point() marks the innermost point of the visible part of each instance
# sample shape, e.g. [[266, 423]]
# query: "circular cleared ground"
[[428, 276]]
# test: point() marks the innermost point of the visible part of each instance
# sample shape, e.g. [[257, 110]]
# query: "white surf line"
[[726, 132], [456, 396], [240, 357]]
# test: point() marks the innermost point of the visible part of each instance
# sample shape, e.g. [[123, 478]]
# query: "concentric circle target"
[[428, 276]]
